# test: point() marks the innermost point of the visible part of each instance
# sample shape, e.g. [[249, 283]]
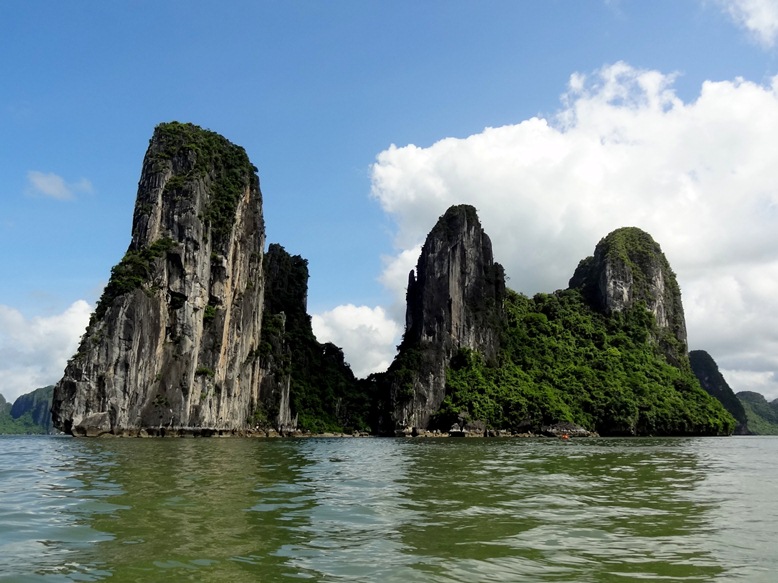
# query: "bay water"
[[405, 510]]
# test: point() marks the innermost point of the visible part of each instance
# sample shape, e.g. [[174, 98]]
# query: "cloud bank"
[[623, 150], [33, 353], [366, 335]]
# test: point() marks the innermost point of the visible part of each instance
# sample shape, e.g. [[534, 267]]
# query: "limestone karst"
[[707, 372], [172, 344], [606, 355], [628, 268], [454, 301], [200, 332]]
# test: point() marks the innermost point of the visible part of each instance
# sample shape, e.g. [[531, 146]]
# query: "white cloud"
[[53, 186], [759, 17], [623, 151], [395, 278], [366, 335], [33, 353], [760, 382]]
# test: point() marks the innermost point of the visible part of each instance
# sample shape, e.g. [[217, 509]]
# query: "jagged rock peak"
[[171, 347], [285, 310], [454, 301], [456, 291], [628, 268], [286, 280], [181, 157], [306, 385]]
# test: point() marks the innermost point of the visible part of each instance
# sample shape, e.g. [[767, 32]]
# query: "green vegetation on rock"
[[711, 380], [131, 273], [211, 157], [29, 414], [633, 262], [563, 361], [324, 394], [608, 354]]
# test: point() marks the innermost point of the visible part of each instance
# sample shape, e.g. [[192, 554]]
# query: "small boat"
[[457, 431]]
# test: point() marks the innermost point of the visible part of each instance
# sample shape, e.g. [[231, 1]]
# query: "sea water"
[[406, 510]]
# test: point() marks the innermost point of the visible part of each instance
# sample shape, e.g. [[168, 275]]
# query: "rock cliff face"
[[628, 268], [707, 372], [38, 404], [172, 346], [454, 301], [306, 385], [286, 282]]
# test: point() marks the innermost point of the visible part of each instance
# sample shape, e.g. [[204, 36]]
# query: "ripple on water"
[[387, 510]]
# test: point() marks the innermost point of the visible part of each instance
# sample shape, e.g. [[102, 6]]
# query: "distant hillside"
[[29, 414], [37, 406], [762, 415], [707, 372]]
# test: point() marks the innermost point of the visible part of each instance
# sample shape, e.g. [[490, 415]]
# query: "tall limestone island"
[[607, 355], [173, 344], [454, 301], [628, 269]]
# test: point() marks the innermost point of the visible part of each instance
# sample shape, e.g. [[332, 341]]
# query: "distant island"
[[28, 414], [200, 331]]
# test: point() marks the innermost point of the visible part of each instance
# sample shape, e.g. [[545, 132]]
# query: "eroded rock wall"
[[173, 344], [454, 301]]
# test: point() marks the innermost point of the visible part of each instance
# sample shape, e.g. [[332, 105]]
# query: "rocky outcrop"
[[454, 301], [628, 269], [173, 344], [306, 385], [286, 298], [707, 372]]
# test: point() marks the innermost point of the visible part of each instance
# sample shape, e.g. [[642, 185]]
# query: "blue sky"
[[558, 119]]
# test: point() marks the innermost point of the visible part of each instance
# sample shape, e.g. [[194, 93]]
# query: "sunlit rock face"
[[627, 270], [454, 301], [173, 345]]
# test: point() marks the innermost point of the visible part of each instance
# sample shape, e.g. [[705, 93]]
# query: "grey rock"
[[454, 301], [171, 347], [38, 404]]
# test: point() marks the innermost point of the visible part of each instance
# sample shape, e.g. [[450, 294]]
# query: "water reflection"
[[352, 532], [597, 510], [193, 509]]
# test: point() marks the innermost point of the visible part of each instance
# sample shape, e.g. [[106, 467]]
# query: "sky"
[[559, 120]]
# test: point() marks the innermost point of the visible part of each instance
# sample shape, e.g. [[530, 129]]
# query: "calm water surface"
[[437, 510]]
